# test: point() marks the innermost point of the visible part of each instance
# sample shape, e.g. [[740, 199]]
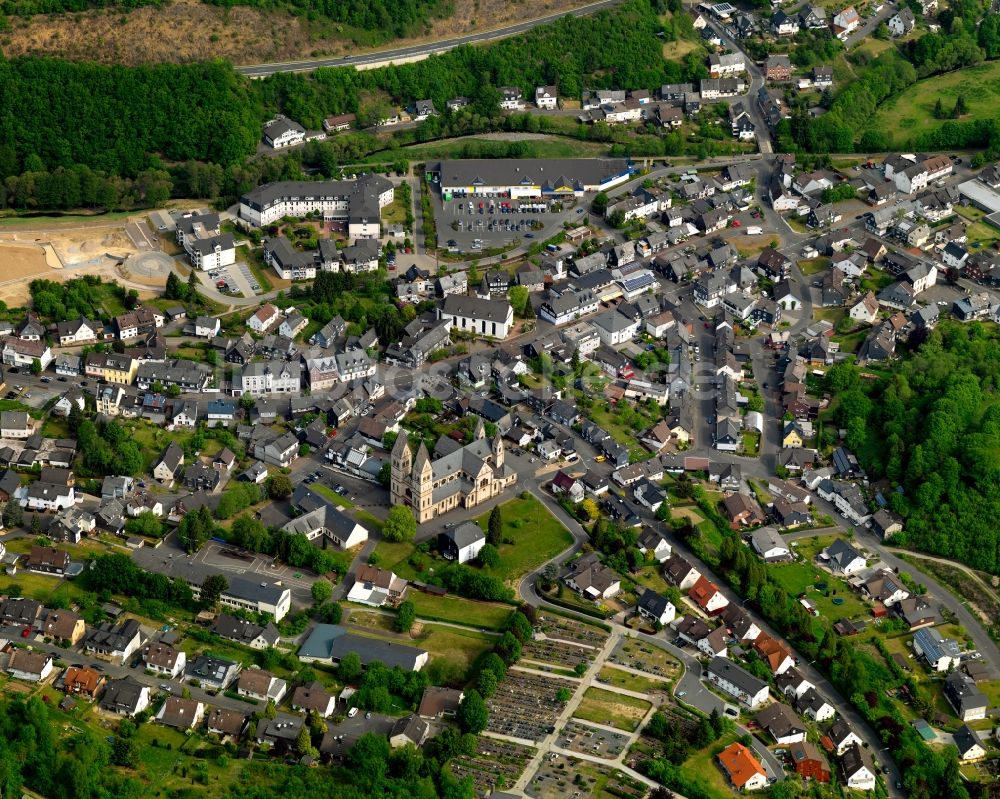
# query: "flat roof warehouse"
[[530, 177]]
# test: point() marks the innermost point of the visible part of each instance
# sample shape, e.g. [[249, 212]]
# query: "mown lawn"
[[911, 112], [487, 615], [611, 709], [630, 681], [801, 578], [534, 534]]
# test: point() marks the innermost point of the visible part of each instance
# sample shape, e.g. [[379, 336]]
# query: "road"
[[417, 52]]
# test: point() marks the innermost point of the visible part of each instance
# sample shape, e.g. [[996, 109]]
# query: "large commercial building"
[[356, 203], [529, 177]]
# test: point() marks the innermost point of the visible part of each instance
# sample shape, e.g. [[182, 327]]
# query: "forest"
[[26, 8], [933, 428], [122, 120]]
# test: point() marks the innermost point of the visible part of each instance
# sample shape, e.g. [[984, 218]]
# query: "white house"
[[206, 326], [614, 328], [843, 558], [77, 331], [857, 768], [462, 543], [282, 132], [865, 309], [846, 22], [511, 98], [30, 666], [263, 318], [492, 318], [163, 660], [769, 545], [15, 424], [737, 682], [547, 97], [656, 608]]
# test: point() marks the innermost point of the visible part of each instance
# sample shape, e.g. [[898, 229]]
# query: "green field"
[[702, 769], [799, 578], [815, 265], [549, 147], [488, 615], [630, 681], [912, 112], [611, 709], [535, 534]]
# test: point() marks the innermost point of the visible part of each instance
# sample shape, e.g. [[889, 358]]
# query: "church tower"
[[480, 429], [422, 482], [498, 450], [402, 463]]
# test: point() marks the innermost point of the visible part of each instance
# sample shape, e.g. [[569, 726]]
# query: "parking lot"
[[235, 279], [579, 737], [471, 224], [525, 705]]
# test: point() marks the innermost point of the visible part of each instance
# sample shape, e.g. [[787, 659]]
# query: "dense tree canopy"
[[118, 119], [934, 429]]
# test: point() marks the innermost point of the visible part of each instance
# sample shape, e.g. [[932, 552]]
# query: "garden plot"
[[612, 709]]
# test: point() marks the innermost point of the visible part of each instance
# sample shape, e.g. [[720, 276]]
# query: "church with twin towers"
[[457, 477]]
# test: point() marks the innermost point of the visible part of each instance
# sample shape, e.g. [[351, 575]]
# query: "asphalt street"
[[418, 51]]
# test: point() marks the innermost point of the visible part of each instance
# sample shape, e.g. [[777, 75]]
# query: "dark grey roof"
[[653, 603], [476, 308], [371, 650], [741, 678], [465, 534]]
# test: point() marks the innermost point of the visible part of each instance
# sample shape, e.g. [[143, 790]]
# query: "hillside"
[[188, 30], [933, 428]]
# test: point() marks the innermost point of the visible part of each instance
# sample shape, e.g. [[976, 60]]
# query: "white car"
[[352, 713]]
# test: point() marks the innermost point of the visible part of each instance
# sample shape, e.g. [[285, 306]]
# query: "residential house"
[[773, 652], [63, 626], [842, 558], [30, 666], [969, 703], [83, 682], [247, 633], [707, 596], [125, 697], [261, 685], [181, 713], [808, 762], [592, 578], [769, 545], [47, 560], [114, 642], [902, 22], [743, 769], [678, 572], [970, 746], [782, 724], [167, 467], [408, 731], [737, 682], [314, 698], [374, 586], [655, 607], [857, 769], [211, 672], [164, 660], [845, 23], [937, 652]]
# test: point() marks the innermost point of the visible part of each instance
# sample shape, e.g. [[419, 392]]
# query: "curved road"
[[418, 51]]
